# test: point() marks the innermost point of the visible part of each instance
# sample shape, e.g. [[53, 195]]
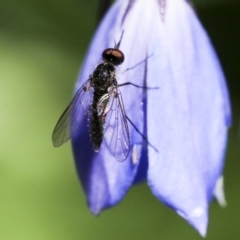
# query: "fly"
[[100, 98]]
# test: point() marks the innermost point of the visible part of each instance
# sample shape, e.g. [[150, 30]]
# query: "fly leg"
[[135, 85], [140, 133], [143, 61], [143, 87]]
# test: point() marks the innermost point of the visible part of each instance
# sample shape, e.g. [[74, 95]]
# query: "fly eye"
[[113, 56]]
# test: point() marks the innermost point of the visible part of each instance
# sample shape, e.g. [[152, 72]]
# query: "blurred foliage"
[[42, 46]]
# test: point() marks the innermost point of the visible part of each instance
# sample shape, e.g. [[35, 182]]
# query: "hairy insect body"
[[103, 77], [100, 99], [101, 80]]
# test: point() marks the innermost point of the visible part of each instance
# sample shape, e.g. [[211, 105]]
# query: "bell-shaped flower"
[[186, 119]]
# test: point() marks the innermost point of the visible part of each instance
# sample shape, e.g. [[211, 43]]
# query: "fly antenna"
[[117, 45]]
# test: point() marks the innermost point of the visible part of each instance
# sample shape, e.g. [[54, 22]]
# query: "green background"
[[42, 45]]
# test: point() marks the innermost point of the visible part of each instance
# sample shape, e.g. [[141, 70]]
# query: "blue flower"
[[186, 119]]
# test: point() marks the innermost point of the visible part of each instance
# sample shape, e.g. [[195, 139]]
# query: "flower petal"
[[219, 192], [104, 179], [188, 117]]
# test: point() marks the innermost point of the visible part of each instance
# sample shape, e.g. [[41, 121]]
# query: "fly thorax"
[[103, 76]]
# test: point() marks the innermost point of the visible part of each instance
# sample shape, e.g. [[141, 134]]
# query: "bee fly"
[[100, 99]]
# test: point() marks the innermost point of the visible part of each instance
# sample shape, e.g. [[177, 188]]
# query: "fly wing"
[[73, 116], [116, 133]]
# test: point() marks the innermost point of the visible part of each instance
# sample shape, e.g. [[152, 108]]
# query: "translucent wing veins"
[[116, 133], [73, 116]]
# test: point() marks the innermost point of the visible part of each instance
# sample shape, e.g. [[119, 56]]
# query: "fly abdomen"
[[97, 124]]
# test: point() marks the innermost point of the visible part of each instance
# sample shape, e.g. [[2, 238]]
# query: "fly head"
[[113, 56]]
